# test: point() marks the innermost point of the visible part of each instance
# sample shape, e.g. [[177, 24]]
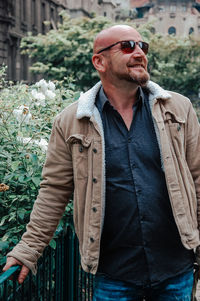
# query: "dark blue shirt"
[[140, 242]]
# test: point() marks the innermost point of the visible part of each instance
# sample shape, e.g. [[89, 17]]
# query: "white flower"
[[22, 114], [43, 144], [51, 86], [42, 85], [38, 96], [24, 140], [49, 94]]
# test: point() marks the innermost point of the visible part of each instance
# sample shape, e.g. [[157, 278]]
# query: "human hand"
[[11, 261]]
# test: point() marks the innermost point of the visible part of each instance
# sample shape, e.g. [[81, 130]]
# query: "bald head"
[[112, 35]]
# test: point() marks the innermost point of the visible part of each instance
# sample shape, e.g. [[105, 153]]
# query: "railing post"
[[59, 277]]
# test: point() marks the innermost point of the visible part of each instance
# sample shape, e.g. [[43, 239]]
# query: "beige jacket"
[[76, 163]]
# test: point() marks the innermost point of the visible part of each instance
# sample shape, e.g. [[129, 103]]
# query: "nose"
[[138, 52]]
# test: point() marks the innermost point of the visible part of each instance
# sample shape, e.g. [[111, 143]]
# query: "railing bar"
[[22, 289], [14, 288], [60, 276], [60, 266], [56, 273], [30, 281], [50, 274], [5, 290], [37, 285], [43, 277], [8, 273], [63, 267], [77, 270]]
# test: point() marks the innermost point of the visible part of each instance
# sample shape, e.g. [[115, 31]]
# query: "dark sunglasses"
[[128, 46]]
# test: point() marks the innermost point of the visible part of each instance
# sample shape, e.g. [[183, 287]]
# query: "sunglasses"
[[128, 46]]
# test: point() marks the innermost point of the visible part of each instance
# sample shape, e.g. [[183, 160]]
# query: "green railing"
[[59, 276]]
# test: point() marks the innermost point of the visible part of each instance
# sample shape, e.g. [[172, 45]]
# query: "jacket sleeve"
[[55, 191], [193, 159]]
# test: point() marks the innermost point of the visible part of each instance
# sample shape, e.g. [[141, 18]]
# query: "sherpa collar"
[[86, 102]]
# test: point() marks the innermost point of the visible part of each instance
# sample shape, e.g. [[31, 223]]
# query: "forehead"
[[123, 34], [115, 34]]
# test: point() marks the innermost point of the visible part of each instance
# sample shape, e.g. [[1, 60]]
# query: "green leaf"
[[36, 180], [53, 244], [3, 220], [3, 245], [14, 165]]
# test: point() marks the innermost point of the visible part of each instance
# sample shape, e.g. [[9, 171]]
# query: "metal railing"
[[59, 276]]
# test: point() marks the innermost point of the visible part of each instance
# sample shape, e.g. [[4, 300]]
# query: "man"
[[129, 151]]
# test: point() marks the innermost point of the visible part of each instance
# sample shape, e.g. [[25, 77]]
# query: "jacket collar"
[[86, 102]]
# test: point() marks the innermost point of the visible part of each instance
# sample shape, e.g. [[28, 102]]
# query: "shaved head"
[[113, 34], [115, 66]]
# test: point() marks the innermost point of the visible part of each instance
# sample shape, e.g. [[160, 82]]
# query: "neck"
[[121, 97]]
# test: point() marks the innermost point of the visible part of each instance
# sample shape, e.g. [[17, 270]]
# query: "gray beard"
[[139, 80]]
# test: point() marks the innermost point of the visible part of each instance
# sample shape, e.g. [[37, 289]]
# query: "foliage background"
[[174, 62]]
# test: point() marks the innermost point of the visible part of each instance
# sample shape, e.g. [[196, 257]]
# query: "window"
[[52, 18], [173, 8], [191, 30], [105, 14], [43, 17], [12, 58], [24, 67], [153, 30], [184, 8], [23, 10], [34, 13], [172, 30], [161, 9], [60, 19]]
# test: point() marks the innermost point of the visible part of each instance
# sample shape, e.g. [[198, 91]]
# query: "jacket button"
[[80, 149], [91, 239], [94, 180], [95, 150], [94, 209]]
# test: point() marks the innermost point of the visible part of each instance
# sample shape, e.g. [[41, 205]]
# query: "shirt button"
[[91, 239], [95, 150], [142, 217], [94, 180]]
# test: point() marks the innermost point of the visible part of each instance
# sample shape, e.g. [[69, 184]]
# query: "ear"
[[99, 62]]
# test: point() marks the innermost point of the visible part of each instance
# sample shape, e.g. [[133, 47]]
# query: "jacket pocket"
[[176, 126], [79, 145]]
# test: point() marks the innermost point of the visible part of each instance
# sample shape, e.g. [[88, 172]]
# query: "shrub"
[[26, 115]]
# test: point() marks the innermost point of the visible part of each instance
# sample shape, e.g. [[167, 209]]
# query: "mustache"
[[136, 64]]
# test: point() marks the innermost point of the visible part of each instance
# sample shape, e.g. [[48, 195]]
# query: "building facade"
[[178, 17], [87, 7], [17, 17]]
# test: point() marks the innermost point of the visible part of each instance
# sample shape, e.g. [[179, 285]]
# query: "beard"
[[139, 79]]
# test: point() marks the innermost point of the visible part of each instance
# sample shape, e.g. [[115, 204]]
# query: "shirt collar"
[[102, 98]]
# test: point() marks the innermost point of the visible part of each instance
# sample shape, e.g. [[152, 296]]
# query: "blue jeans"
[[176, 288]]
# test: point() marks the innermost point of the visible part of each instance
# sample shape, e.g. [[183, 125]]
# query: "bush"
[[26, 115]]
